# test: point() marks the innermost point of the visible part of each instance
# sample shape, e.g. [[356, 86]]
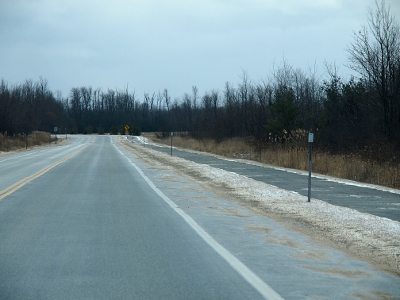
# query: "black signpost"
[[172, 134], [310, 141]]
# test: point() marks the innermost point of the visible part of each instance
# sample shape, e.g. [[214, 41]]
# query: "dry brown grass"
[[352, 166], [294, 155], [10, 143]]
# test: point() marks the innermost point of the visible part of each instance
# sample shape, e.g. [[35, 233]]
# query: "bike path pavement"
[[364, 198]]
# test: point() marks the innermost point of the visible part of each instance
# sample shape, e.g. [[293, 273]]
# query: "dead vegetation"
[[366, 165], [22, 141]]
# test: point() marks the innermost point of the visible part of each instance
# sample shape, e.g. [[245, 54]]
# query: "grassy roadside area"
[[36, 138], [353, 166]]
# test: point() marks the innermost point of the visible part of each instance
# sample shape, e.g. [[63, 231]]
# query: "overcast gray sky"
[[150, 45]]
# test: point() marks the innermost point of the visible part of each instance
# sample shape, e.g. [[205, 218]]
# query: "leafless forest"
[[362, 112]]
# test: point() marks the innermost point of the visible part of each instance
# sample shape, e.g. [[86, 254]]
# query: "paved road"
[[91, 228], [86, 220], [17, 166], [364, 199]]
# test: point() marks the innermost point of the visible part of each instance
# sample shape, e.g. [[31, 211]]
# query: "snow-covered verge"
[[371, 238]]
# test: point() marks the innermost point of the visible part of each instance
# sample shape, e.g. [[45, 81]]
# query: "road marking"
[[15, 157], [16, 186], [264, 289]]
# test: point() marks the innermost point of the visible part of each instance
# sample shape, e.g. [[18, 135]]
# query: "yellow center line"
[[12, 188]]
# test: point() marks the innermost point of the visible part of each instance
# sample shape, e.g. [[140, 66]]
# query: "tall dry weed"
[[293, 153], [20, 141]]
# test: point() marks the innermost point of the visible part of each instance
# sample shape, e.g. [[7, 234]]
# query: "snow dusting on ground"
[[374, 239]]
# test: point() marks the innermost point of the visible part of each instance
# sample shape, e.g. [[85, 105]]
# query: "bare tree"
[[167, 99], [195, 97], [187, 112], [375, 55]]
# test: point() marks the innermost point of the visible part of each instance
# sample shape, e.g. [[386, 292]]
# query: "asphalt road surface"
[[86, 220], [379, 202], [91, 228]]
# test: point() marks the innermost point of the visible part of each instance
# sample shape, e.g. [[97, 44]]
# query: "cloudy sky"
[[150, 45]]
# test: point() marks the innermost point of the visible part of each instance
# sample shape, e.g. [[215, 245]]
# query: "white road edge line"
[[264, 289]]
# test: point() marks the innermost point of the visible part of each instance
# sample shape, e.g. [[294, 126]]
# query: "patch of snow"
[[325, 177], [299, 172], [376, 237]]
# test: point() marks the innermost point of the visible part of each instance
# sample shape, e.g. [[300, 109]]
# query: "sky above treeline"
[[147, 46]]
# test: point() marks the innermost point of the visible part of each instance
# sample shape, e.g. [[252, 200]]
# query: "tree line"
[[343, 113]]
